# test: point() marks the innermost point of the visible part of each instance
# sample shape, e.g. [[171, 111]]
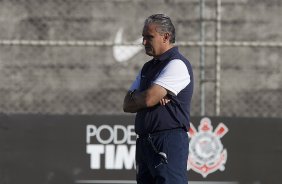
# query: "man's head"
[[158, 34]]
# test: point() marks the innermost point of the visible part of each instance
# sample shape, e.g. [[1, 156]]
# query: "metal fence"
[[69, 57]]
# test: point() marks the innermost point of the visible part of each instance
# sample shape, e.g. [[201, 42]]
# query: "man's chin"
[[149, 53]]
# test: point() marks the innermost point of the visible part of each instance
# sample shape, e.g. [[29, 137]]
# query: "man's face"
[[152, 40]]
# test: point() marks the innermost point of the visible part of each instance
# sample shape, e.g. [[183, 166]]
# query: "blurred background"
[[72, 56], [67, 64]]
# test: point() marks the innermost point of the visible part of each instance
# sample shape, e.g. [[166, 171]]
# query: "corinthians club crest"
[[206, 153]]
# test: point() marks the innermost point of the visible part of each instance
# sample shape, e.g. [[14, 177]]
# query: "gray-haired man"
[[161, 96]]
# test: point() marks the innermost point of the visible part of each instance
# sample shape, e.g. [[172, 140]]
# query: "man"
[[161, 96]]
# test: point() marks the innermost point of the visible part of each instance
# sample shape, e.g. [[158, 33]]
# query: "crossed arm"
[[139, 100]]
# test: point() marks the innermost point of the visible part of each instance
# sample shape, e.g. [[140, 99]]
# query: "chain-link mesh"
[[59, 57]]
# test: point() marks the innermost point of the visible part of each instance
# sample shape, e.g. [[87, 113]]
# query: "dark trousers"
[[161, 158]]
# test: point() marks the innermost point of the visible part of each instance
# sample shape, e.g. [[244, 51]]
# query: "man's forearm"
[[135, 102], [140, 100]]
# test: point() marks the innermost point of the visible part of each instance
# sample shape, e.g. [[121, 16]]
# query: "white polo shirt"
[[174, 77]]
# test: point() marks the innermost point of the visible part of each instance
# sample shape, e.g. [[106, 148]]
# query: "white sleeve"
[[136, 83], [174, 76]]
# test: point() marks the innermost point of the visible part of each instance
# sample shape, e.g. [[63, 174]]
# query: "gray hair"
[[164, 25]]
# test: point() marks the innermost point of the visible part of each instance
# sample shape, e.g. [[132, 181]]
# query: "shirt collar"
[[166, 55]]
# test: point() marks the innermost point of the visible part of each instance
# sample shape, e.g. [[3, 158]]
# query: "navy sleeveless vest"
[[176, 113]]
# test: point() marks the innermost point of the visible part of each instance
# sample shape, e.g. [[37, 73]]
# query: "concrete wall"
[[88, 80]]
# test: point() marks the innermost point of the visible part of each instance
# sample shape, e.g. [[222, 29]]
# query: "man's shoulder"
[[180, 56], [183, 59], [176, 65]]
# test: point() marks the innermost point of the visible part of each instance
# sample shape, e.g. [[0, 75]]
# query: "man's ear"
[[166, 37]]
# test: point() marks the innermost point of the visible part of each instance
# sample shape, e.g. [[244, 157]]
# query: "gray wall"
[[88, 80]]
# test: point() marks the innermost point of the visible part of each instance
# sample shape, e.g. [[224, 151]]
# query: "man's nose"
[[144, 41]]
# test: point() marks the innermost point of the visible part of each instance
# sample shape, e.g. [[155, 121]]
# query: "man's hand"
[[164, 100]]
